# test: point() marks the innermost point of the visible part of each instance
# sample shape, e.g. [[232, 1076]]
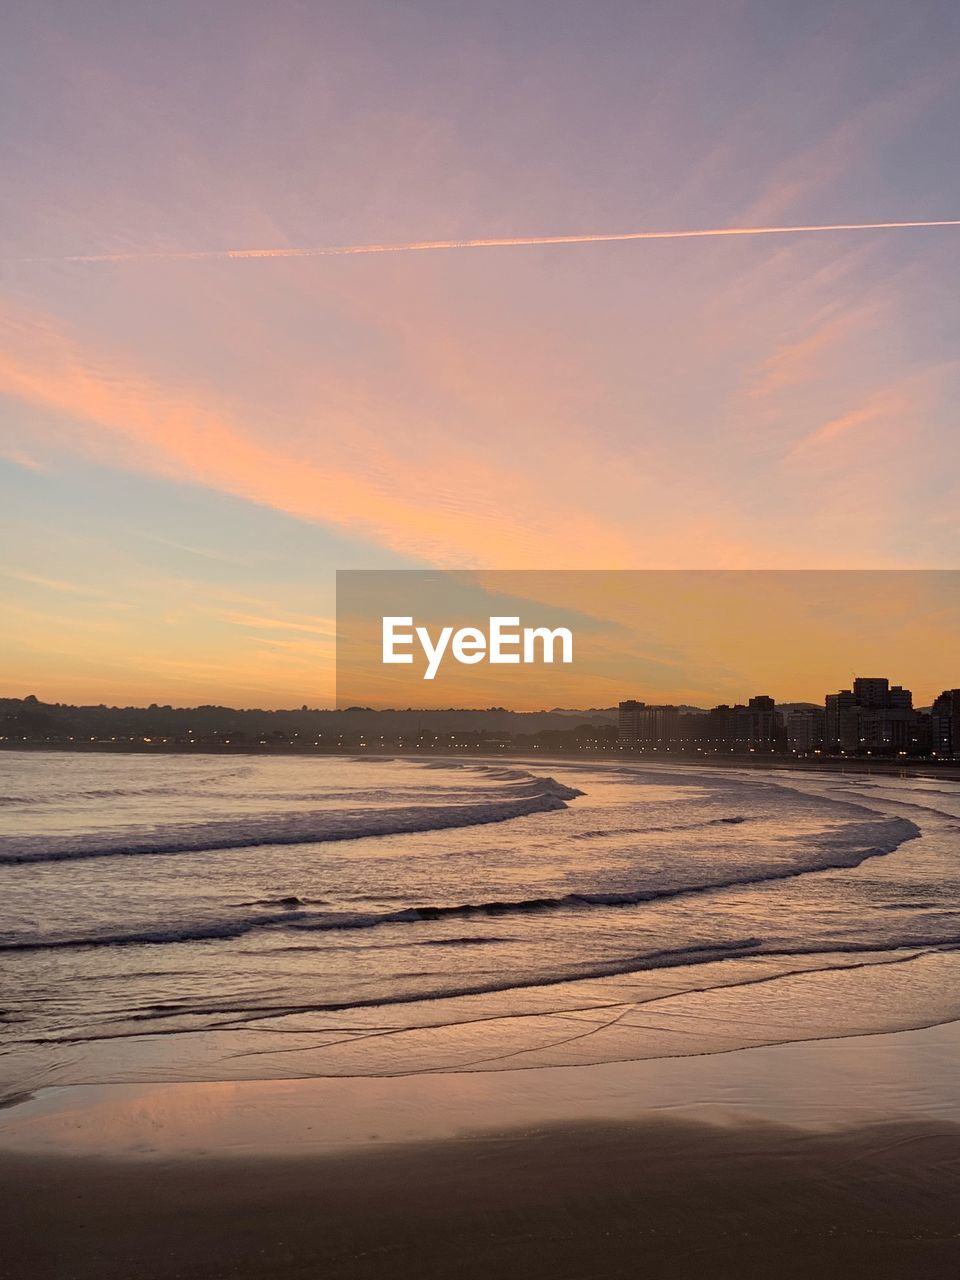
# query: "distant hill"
[[33, 720]]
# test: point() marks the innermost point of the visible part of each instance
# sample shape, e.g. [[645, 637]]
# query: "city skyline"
[[872, 718]]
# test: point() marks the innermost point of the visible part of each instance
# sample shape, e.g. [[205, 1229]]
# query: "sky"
[[682, 637], [191, 446]]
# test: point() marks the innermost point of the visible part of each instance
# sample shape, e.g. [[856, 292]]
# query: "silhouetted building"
[[806, 727], [718, 726], [875, 718], [945, 723], [640, 724], [691, 732], [840, 726], [763, 723], [871, 692], [628, 722], [756, 726]]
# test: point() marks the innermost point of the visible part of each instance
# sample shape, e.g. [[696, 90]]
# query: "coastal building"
[[840, 724], [718, 725], [753, 726], [628, 722], [871, 691], [945, 723], [640, 724], [763, 723], [875, 718], [806, 728]]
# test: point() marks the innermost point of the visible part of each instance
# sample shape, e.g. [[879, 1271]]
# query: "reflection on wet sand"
[[901, 1076]]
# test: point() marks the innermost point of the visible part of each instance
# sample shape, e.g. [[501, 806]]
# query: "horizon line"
[[415, 710]]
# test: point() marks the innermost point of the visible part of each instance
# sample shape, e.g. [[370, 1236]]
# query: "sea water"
[[218, 917]]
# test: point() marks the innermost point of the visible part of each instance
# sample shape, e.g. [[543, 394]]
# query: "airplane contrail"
[[423, 246]]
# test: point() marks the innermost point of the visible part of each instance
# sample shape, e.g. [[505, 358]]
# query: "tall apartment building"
[[755, 725], [874, 717], [945, 723], [640, 724], [840, 727], [763, 723], [871, 691], [628, 722], [806, 728]]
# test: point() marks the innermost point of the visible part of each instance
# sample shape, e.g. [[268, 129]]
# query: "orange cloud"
[[326, 627], [794, 363], [444, 514], [846, 422], [897, 408]]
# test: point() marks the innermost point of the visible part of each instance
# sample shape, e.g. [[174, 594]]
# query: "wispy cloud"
[[414, 507], [50, 584], [807, 171], [874, 411], [900, 408], [326, 627], [798, 361], [10, 453]]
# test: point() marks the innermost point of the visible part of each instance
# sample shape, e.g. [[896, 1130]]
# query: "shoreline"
[[814, 1085], [917, 767]]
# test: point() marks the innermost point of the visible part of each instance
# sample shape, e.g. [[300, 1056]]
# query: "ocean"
[[223, 917]]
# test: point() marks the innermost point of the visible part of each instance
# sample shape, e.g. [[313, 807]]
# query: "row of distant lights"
[[591, 744]]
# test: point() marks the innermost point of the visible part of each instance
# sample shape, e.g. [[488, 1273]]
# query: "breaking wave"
[[850, 847], [517, 800]]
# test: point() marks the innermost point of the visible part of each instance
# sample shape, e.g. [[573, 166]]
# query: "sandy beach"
[[661, 1198], [837, 1158]]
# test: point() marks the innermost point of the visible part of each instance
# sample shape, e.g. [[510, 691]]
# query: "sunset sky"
[[694, 637], [190, 446]]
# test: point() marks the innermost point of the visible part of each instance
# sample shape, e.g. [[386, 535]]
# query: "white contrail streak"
[[422, 246]]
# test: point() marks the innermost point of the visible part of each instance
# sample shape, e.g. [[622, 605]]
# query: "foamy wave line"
[[533, 795], [864, 841]]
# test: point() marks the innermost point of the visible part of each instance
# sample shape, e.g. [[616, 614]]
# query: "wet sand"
[[658, 1197], [823, 1159]]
